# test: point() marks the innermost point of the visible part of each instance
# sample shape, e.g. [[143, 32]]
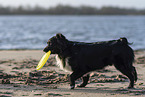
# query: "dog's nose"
[[45, 50]]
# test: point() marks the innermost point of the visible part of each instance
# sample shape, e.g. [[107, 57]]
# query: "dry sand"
[[18, 78]]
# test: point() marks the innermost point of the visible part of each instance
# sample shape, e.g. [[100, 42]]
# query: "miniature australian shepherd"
[[81, 58]]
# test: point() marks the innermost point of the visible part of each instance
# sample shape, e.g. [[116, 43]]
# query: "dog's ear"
[[61, 40], [60, 36]]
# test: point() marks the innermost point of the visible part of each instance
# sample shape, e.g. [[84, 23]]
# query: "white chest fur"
[[63, 64]]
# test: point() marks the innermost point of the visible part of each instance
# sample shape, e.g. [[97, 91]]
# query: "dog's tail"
[[124, 41]]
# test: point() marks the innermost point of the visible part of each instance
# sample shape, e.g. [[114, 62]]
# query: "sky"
[[139, 4]]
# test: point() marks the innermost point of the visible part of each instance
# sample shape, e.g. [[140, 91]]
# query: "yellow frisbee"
[[43, 60]]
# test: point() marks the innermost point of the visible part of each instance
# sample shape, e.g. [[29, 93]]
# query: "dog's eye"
[[49, 43]]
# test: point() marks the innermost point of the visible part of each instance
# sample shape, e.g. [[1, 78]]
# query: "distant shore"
[[69, 10]]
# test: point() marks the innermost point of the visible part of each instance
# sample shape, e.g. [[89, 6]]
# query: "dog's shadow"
[[108, 90]]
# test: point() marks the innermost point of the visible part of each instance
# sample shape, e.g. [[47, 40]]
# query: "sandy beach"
[[19, 78]]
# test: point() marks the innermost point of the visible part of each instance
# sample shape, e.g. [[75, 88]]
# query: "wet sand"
[[18, 78]]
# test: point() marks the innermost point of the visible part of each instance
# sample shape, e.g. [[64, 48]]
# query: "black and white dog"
[[81, 58]]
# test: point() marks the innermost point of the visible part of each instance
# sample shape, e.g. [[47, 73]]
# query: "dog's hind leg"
[[85, 80], [127, 69], [74, 76], [135, 73], [127, 72]]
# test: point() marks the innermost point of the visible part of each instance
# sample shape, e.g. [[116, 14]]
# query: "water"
[[32, 32]]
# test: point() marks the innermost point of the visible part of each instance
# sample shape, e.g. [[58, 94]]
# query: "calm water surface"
[[32, 32]]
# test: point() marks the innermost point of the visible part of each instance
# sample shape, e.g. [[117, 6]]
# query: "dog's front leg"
[[74, 76], [85, 80]]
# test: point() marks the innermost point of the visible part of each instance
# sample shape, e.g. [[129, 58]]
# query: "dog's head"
[[56, 44]]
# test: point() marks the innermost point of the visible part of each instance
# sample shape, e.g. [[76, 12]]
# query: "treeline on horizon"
[[69, 10]]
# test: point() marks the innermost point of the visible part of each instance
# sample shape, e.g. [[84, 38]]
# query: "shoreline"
[[18, 67], [42, 49]]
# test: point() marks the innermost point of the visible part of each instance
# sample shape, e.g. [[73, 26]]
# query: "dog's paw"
[[131, 87], [72, 87], [81, 86]]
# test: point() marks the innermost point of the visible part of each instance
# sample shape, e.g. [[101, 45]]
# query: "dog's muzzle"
[[45, 49]]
